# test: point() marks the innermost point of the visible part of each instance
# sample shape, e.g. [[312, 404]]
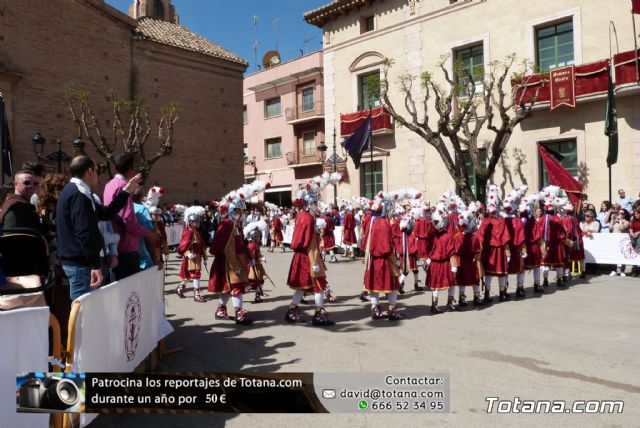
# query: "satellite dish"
[[270, 59]]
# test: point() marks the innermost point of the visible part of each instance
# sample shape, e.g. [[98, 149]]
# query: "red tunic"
[[421, 232], [572, 227], [440, 248], [256, 273], [224, 276], [494, 237], [349, 229], [276, 230], [516, 231], [328, 238], [467, 248], [381, 273], [534, 256], [304, 244], [396, 234], [364, 223], [192, 242], [550, 230]]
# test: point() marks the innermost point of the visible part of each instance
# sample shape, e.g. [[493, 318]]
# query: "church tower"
[[157, 9]]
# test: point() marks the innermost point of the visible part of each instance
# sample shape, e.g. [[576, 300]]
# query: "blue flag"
[[359, 141]]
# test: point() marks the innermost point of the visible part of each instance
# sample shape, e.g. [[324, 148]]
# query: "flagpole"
[[371, 150], [635, 50]]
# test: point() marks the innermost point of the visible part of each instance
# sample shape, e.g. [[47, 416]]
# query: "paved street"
[[573, 344]]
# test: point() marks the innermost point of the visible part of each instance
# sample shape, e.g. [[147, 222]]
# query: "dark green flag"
[[611, 124]]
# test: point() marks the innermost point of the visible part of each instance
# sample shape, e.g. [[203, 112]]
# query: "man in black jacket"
[[79, 239]]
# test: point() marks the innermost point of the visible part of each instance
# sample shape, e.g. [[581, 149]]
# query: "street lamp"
[[322, 148], [78, 147], [38, 144], [334, 156]]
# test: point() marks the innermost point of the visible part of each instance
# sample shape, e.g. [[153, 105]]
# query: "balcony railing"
[[305, 111], [304, 158]]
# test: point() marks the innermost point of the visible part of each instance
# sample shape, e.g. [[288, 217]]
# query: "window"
[[482, 154], [158, 9], [273, 148], [569, 150], [246, 152], [368, 169], [272, 108], [367, 23], [369, 90], [308, 143], [307, 99], [555, 46], [245, 117], [469, 60]]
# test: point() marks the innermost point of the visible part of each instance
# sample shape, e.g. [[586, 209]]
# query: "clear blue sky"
[[229, 23]]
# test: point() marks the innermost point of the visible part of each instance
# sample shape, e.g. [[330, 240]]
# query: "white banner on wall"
[[610, 248], [119, 325], [337, 233], [24, 337], [174, 233]]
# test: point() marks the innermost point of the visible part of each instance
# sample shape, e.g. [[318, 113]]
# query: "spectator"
[[583, 209], [619, 224], [126, 225], [603, 216], [79, 238], [623, 201], [144, 219], [634, 232], [17, 210], [589, 226], [37, 169]]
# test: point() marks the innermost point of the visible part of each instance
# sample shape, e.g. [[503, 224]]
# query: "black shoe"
[[462, 301], [502, 296], [376, 313], [545, 282], [435, 309], [560, 282], [477, 301], [293, 316], [242, 318], [401, 291], [304, 301], [321, 319], [416, 287], [394, 315], [584, 275], [487, 298], [451, 307], [520, 293], [363, 296], [537, 288]]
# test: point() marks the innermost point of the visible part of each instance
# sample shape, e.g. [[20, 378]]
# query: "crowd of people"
[[95, 241]]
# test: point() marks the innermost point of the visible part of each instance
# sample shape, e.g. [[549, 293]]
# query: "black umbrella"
[[5, 142]]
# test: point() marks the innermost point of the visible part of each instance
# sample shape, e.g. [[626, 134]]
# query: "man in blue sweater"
[[77, 216]]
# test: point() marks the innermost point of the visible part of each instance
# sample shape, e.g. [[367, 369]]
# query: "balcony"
[[300, 159], [305, 113], [380, 120]]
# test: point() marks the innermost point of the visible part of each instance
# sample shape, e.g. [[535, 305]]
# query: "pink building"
[[284, 125]]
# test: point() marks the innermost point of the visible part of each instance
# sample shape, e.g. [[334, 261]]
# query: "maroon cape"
[[494, 237], [440, 248], [550, 230], [534, 256], [516, 231], [218, 277], [304, 234], [190, 240], [349, 229], [328, 238], [467, 247], [421, 232], [276, 229], [379, 272]]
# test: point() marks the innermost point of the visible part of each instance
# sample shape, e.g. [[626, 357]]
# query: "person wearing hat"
[[421, 231], [277, 238], [349, 231], [307, 271], [517, 246], [327, 236], [534, 257], [574, 252], [192, 249], [467, 248], [494, 238], [253, 234], [381, 271], [441, 260], [552, 236]]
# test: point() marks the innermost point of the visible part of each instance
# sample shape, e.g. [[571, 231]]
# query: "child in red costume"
[[192, 250], [441, 260], [529, 215], [517, 246], [467, 248], [256, 273]]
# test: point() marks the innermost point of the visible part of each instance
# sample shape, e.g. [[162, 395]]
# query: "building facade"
[[47, 48], [284, 125], [360, 35]]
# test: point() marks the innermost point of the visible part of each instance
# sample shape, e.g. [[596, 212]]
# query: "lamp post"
[[334, 159], [59, 155]]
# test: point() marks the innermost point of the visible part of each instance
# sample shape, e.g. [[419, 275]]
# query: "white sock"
[[332, 253], [476, 289], [502, 281], [374, 299], [416, 276], [434, 293], [224, 299], [487, 282], [319, 299], [559, 273], [297, 296], [196, 284], [520, 279], [237, 301], [536, 275], [393, 298], [545, 272], [452, 291]]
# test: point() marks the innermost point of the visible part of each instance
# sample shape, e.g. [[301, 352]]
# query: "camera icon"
[[54, 393], [328, 393]]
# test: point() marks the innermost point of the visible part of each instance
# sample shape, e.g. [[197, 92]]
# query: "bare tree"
[[130, 129], [463, 110]]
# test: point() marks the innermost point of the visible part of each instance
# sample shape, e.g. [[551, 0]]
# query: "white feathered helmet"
[[512, 200], [493, 201], [194, 213], [310, 193], [153, 196], [237, 199], [468, 218], [255, 228], [439, 217]]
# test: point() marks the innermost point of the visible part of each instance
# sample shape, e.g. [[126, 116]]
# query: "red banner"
[[563, 89], [560, 177], [635, 6], [380, 121], [625, 67]]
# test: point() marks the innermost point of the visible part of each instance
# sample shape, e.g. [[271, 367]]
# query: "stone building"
[[48, 47], [359, 35]]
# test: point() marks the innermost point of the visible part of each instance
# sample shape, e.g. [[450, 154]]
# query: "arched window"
[[158, 9]]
